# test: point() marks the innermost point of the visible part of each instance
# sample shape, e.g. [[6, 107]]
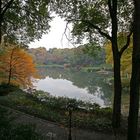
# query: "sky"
[[55, 37]]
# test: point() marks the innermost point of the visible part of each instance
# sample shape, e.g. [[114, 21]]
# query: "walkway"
[[53, 131]]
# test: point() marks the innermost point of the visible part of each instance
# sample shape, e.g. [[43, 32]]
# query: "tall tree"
[[90, 18], [16, 66], [24, 19], [135, 79]]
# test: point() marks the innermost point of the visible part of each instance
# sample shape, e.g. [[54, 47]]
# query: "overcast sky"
[[54, 38]]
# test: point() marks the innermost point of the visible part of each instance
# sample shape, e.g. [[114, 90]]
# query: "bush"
[[6, 89], [40, 104]]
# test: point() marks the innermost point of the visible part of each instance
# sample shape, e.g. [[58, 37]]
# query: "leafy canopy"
[[91, 18], [24, 19]]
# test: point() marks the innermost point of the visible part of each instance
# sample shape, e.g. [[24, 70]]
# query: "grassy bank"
[[41, 104], [50, 66]]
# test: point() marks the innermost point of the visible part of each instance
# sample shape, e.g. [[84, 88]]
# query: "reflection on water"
[[63, 87], [89, 87]]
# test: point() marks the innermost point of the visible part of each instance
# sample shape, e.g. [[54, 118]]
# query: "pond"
[[89, 87]]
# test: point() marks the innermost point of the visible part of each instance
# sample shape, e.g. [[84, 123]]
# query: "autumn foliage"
[[16, 66], [126, 59]]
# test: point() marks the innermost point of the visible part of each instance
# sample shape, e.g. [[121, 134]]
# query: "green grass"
[[97, 68], [90, 69], [50, 66]]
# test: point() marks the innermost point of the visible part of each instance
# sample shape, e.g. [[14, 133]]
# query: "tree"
[[92, 18], [39, 54], [126, 59], [135, 78], [25, 20], [16, 66]]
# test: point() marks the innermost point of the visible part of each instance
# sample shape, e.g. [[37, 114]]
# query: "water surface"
[[89, 87]]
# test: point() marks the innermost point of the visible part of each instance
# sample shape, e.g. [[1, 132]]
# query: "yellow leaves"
[[16, 66], [126, 59], [109, 56]]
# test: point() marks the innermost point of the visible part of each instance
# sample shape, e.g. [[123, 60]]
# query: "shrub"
[[6, 89]]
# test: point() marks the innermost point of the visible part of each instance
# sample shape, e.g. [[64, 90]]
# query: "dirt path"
[[53, 131]]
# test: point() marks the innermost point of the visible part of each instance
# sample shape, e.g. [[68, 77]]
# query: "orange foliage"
[[16, 67]]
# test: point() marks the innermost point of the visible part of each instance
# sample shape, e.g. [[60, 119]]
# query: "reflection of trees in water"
[[91, 81], [55, 73], [95, 82], [42, 73]]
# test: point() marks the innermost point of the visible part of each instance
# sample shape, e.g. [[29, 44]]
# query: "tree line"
[[71, 57]]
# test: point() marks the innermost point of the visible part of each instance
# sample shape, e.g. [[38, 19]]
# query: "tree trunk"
[[0, 21], [9, 76], [135, 78], [10, 67], [117, 76], [0, 30], [116, 117], [3, 10]]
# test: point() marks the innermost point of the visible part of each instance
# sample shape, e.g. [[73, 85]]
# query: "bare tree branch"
[[110, 8], [66, 35], [98, 29]]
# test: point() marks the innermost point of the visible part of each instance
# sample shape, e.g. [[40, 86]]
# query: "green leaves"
[[92, 18], [92, 49], [28, 19]]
